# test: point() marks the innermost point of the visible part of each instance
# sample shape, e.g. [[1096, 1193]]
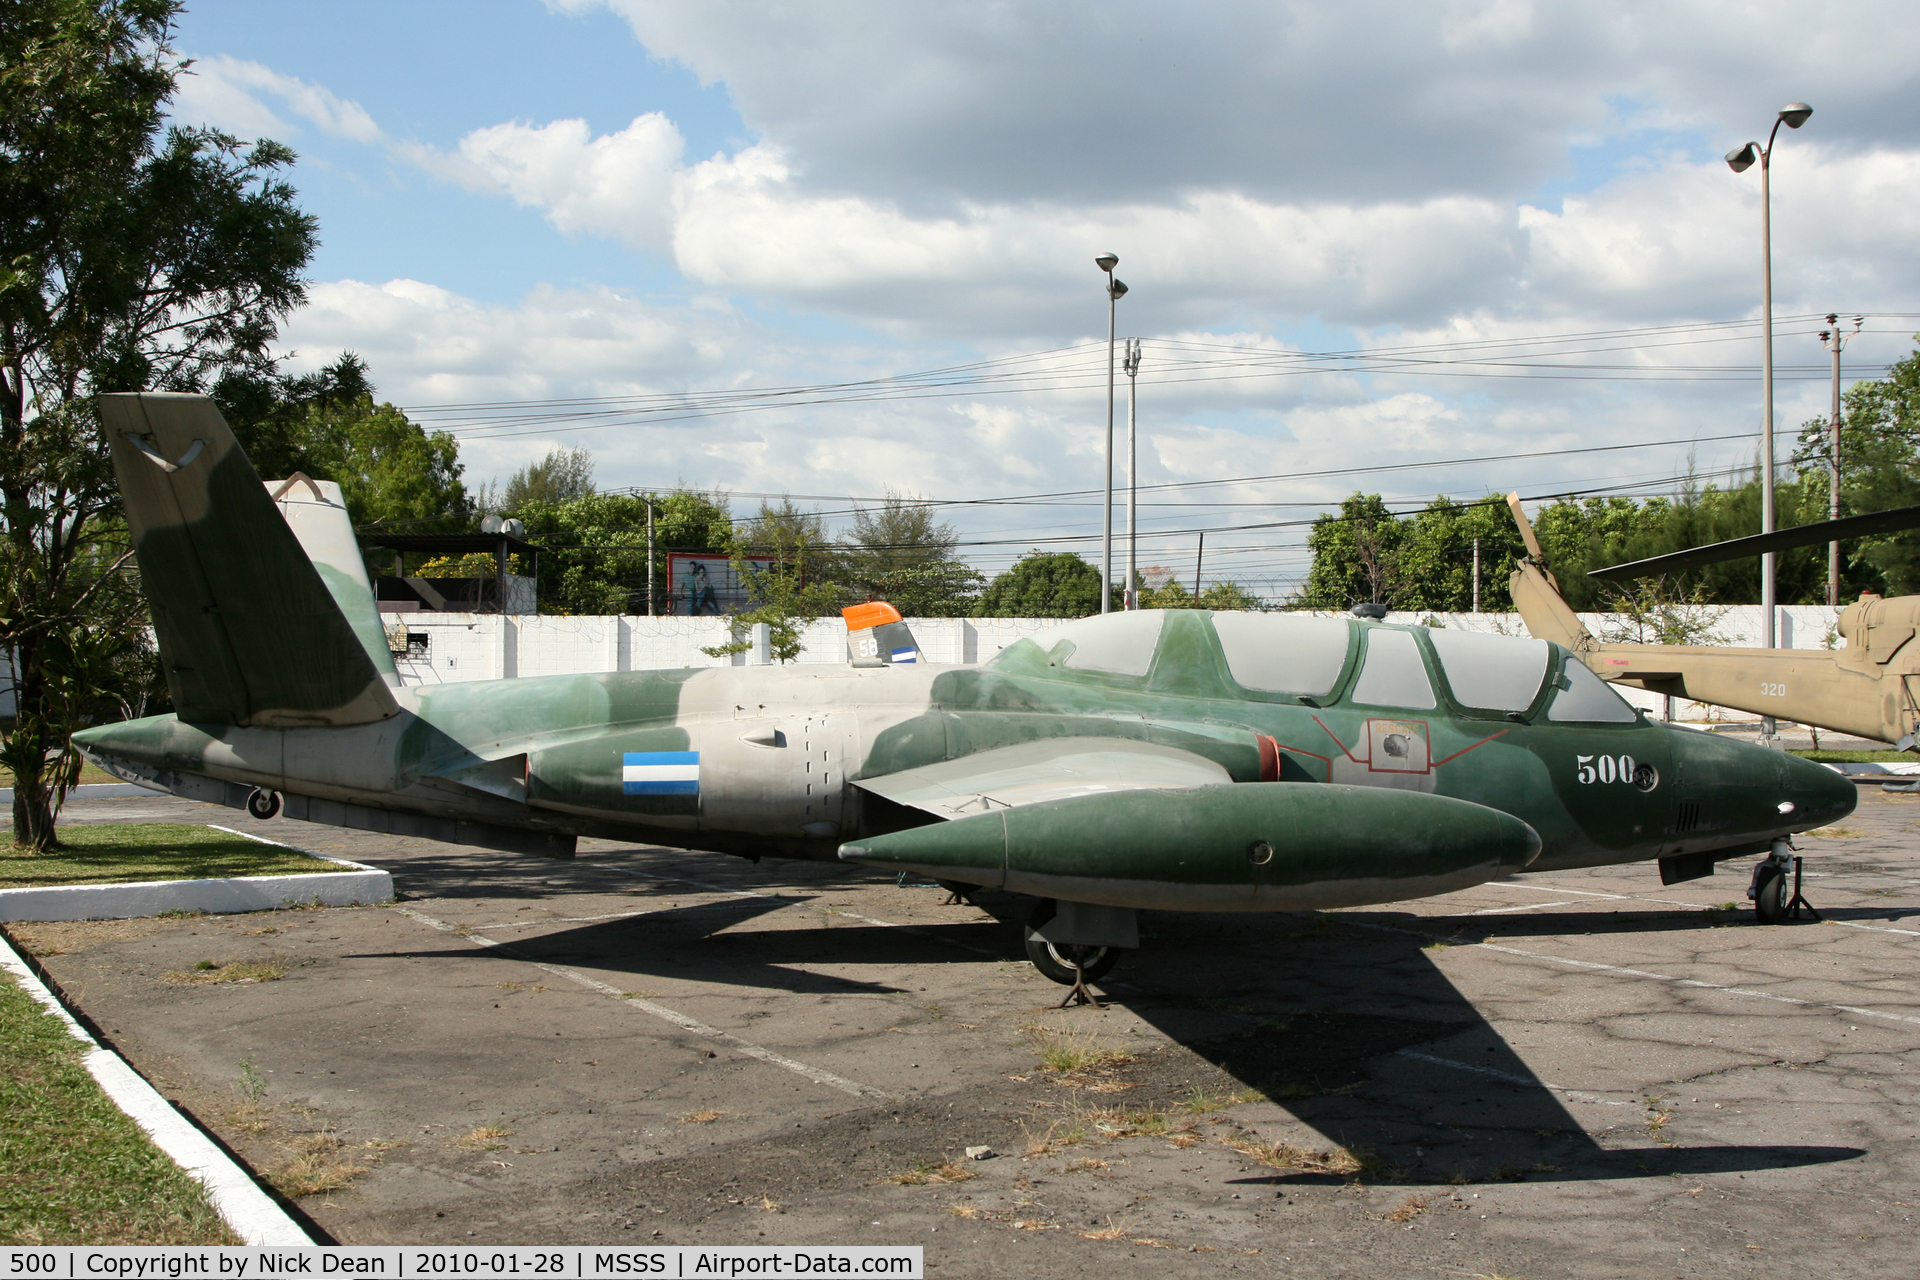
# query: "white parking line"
[[1541, 888], [1624, 972], [678, 1019], [616, 915], [1668, 902], [1531, 906]]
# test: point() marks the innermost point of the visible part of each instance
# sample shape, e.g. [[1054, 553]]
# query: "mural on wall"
[[710, 586]]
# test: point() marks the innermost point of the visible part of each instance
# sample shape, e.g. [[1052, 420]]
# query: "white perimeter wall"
[[471, 646]]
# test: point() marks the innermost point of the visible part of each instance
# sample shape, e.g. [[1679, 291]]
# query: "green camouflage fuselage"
[[781, 753]]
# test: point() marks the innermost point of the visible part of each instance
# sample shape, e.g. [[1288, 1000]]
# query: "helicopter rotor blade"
[[1801, 535]]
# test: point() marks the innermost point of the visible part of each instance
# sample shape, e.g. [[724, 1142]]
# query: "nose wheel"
[[263, 804], [1069, 964], [1776, 899]]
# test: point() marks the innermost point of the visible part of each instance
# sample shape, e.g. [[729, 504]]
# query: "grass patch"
[[73, 1168], [1073, 1053], [487, 1137], [232, 971], [1341, 1162], [925, 1173], [1410, 1208], [150, 851], [321, 1162], [1857, 757], [1834, 833]]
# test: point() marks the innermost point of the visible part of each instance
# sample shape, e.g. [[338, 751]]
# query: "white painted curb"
[[360, 886], [251, 1212]]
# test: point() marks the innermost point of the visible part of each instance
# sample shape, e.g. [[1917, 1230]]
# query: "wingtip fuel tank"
[[1273, 846]]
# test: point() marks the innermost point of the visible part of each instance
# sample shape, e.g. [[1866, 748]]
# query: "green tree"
[[1356, 556], [792, 590], [1042, 584], [392, 472], [898, 552], [132, 256], [272, 415], [593, 549], [562, 476], [1164, 590], [1591, 533], [1879, 469]]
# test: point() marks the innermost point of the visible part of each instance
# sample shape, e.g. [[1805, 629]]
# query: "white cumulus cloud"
[[227, 93]]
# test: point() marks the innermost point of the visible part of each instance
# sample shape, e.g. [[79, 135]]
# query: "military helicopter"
[[1866, 689], [1177, 760]]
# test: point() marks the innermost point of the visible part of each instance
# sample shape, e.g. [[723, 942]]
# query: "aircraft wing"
[[1054, 769]]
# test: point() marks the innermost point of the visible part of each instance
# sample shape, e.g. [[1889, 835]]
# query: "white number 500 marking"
[[1604, 769]]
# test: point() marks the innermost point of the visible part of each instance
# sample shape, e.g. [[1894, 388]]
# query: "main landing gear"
[[1772, 902], [1069, 964], [263, 804]]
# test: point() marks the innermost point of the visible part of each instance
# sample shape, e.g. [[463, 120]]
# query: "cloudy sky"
[[832, 249]]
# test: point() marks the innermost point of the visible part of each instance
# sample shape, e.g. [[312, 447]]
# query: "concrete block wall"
[[450, 647], [465, 646]]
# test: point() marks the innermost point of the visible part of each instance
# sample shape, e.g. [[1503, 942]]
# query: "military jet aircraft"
[[1866, 688], [1147, 760]]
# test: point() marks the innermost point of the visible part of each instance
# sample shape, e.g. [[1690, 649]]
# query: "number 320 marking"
[[1772, 690]]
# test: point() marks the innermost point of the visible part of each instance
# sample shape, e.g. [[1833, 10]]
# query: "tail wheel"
[[1057, 960], [1770, 895], [263, 804]]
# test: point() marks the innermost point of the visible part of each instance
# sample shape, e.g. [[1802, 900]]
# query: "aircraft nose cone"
[[1818, 794]]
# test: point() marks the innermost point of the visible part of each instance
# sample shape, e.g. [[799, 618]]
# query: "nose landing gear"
[[1073, 964], [263, 804], [1772, 903]]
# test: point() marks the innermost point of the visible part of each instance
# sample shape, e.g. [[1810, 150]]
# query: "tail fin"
[[876, 637], [317, 514], [249, 631]]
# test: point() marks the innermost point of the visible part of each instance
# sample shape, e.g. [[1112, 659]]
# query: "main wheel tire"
[[1056, 962], [263, 804], [1770, 896]]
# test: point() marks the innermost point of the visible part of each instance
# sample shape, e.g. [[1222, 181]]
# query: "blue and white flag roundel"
[[660, 773]]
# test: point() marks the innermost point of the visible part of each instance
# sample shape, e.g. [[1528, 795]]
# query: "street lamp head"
[[1118, 289], [1741, 158], [1107, 261], [1795, 114]]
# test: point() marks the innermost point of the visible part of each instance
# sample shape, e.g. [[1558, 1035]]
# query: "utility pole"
[[649, 557], [1476, 575], [1198, 556], [1833, 340], [1132, 365]]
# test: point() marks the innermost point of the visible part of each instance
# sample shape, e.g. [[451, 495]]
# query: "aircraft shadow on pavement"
[[1353, 1030], [694, 943], [1360, 1036]]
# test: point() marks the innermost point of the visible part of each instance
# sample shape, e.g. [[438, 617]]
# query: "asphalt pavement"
[[1583, 1073]]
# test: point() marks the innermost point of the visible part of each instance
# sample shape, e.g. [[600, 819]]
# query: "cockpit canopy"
[[1281, 657]]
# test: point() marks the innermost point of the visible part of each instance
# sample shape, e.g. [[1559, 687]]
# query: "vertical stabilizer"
[[317, 514], [249, 632]]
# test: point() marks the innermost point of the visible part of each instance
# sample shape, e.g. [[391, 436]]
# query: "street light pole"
[[1832, 339], [1793, 115], [1131, 598], [1115, 289]]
